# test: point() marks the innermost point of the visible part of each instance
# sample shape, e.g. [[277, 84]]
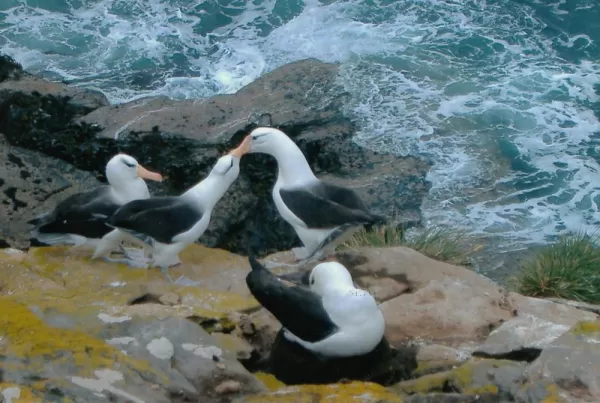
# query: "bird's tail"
[[379, 219], [40, 220]]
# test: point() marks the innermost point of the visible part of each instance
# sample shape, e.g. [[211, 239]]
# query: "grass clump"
[[438, 243], [568, 268]]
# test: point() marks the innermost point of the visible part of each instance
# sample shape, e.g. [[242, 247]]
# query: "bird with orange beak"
[[80, 219], [171, 223]]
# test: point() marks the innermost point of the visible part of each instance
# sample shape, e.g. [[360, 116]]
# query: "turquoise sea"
[[503, 95]]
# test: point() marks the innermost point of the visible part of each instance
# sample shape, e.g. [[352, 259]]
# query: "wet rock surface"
[[183, 138]]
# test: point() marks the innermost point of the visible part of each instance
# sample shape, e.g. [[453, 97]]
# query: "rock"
[[183, 138], [333, 393], [454, 398], [80, 98], [433, 358], [577, 304], [293, 365], [572, 362], [561, 314], [187, 354], [90, 331], [443, 304], [32, 183], [100, 288], [538, 324], [498, 377]]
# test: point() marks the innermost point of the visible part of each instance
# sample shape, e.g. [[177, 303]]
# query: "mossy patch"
[[460, 379], [553, 395], [359, 392], [29, 339], [586, 328]]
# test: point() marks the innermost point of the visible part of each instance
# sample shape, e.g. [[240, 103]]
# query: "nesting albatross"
[[323, 215], [324, 312], [80, 219], [171, 223]]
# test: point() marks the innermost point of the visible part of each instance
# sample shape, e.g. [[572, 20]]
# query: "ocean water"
[[503, 95]]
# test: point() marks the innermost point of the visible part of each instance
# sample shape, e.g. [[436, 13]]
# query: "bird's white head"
[[228, 166], [123, 169], [329, 275], [268, 140]]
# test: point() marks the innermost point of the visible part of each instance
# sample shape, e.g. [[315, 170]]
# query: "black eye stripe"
[[259, 135], [231, 166], [128, 164]]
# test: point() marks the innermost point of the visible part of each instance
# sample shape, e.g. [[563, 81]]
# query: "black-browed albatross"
[[173, 222], [323, 215], [80, 218], [324, 312]]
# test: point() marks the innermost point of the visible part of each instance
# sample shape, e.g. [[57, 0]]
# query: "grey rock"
[[455, 398], [31, 183], [193, 359], [577, 304], [572, 362]]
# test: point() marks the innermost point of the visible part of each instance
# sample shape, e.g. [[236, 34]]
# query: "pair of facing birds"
[[322, 214]]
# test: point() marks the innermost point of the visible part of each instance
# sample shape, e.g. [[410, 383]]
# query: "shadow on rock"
[[293, 365]]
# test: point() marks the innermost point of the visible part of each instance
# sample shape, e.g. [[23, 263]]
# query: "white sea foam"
[[475, 86]]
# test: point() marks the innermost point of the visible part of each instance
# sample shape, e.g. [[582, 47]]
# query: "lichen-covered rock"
[[31, 183], [473, 377], [455, 398], [353, 392], [183, 138], [572, 362], [93, 331]]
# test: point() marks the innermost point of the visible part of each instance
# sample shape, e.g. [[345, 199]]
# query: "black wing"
[[297, 308], [325, 205], [82, 214], [161, 218]]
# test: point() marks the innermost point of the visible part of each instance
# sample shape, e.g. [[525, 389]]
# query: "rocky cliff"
[[55, 133]]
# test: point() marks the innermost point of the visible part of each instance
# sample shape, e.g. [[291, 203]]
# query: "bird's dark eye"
[[255, 136], [312, 281], [231, 166], [130, 165]]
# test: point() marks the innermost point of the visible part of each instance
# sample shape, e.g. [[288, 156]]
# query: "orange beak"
[[242, 149], [144, 173]]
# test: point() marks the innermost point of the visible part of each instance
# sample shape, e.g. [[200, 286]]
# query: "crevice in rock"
[[526, 354], [147, 298]]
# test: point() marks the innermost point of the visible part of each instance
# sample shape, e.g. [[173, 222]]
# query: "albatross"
[[79, 219], [323, 312], [170, 223], [323, 215]]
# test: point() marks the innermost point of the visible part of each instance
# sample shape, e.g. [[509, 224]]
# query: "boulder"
[[538, 323], [572, 362], [433, 302], [183, 138], [32, 183]]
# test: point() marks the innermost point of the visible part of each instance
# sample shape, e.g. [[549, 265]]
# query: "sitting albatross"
[[323, 215], [80, 219], [171, 223], [324, 312]]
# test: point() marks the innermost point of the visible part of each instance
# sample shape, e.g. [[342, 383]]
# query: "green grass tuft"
[[437, 243], [568, 268]]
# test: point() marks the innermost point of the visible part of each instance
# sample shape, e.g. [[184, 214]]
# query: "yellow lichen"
[[270, 381], [461, 378], [553, 395], [586, 328], [28, 337], [358, 392]]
